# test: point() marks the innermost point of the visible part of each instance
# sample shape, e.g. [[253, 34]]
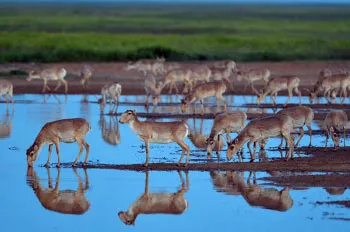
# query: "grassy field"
[[113, 31]]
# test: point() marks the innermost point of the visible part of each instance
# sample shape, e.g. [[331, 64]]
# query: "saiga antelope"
[[110, 91], [85, 75], [225, 64], [158, 132], [54, 74], [253, 75], [177, 75], [220, 74], [65, 130], [334, 123], [200, 92], [156, 203], [145, 65], [261, 129], [200, 73], [153, 89], [6, 89], [281, 83]]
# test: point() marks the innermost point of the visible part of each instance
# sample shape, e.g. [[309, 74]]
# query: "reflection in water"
[[110, 129], [6, 125], [46, 97], [232, 183], [335, 190], [61, 201], [155, 203]]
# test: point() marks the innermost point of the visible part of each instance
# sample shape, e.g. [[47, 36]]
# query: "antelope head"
[[128, 116]]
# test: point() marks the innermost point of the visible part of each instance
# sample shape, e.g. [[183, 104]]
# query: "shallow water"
[[210, 207]]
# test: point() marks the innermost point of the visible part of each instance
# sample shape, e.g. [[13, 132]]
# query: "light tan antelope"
[[110, 129], [50, 74], [261, 129], [200, 73], [158, 132], [111, 91], [334, 123], [64, 130], [168, 66], [6, 91], [157, 203], [275, 85], [301, 116], [200, 92], [220, 74], [6, 125], [147, 65], [177, 75], [231, 122], [153, 89], [60, 201], [85, 75], [225, 64], [253, 75]]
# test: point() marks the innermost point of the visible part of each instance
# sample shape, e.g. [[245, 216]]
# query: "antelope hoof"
[[145, 165], [58, 165], [74, 165], [46, 165], [251, 160], [84, 164]]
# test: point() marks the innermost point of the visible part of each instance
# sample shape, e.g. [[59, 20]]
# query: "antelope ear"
[[134, 112]]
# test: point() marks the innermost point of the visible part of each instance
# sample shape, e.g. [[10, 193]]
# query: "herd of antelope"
[[201, 82]]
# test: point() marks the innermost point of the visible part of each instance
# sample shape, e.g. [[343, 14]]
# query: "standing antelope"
[[110, 130], [153, 89], [253, 75], [61, 201], [211, 89], [261, 129], [145, 65], [301, 116], [110, 91], [6, 89], [281, 83], [200, 73], [65, 130], [225, 123], [158, 132], [168, 66], [177, 75], [225, 64], [335, 122], [54, 74], [156, 203], [85, 75], [219, 74]]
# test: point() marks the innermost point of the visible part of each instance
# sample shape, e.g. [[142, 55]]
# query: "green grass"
[[109, 32]]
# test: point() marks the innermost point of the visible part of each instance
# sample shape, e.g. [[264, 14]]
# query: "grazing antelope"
[[200, 73], [144, 66], [85, 75], [225, 64], [6, 91], [6, 125], [335, 122], [233, 121], [110, 130], [211, 89], [158, 132], [54, 74], [281, 83], [64, 130], [177, 75], [157, 203], [60, 201], [253, 75], [153, 89], [301, 116], [260, 129], [110, 91]]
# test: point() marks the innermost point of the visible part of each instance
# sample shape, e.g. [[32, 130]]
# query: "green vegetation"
[[107, 32]]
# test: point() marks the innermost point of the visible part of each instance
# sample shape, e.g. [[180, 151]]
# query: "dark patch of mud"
[[345, 203]]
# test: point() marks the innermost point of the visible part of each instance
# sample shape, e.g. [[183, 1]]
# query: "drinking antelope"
[[85, 75], [54, 74], [335, 122], [110, 91], [60, 201], [65, 130], [281, 83], [153, 89], [301, 116], [233, 121], [211, 89], [110, 130], [253, 75], [6, 91], [261, 129], [158, 132], [157, 203]]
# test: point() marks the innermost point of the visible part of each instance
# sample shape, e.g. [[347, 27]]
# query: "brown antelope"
[[200, 92], [60, 201], [110, 91], [64, 130], [334, 123], [6, 125], [157, 203], [261, 129], [224, 64], [110, 130], [281, 83], [6, 91], [158, 132], [85, 75], [54, 74], [231, 122], [147, 65], [253, 75], [301, 116], [153, 89], [200, 73], [177, 75]]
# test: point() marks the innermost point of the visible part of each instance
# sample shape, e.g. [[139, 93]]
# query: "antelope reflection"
[[110, 130], [232, 183], [156, 203], [335, 190], [61, 201], [6, 125]]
